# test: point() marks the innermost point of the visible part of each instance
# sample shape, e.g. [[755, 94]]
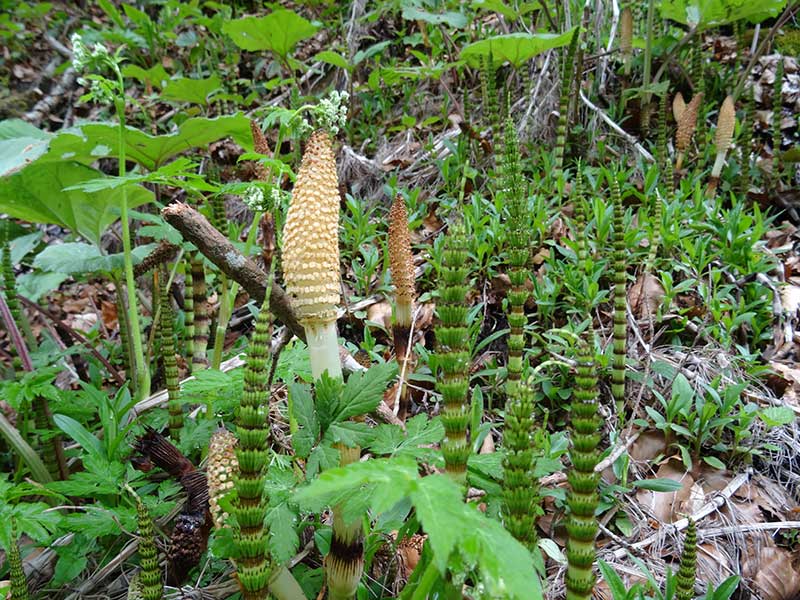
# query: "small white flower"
[[332, 111], [80, 53], [254, 198]]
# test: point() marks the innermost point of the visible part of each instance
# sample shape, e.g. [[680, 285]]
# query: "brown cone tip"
[[687, 123], [311, 234], [626, 31], [725, 125], [678, 106], [401, 262]]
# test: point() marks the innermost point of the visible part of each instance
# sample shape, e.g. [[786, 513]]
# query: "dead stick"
[[196, 229]]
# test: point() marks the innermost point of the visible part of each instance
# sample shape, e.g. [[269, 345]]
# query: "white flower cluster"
[[85, 58], [254, 198], [332, 111]]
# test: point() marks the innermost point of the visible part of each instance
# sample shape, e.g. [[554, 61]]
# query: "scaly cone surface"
[[726, 123], [687, 573]]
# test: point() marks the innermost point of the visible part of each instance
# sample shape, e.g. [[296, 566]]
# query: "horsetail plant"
[[10, 291], [222, 469], [150, 584], [311, 273], [252, 454], [174, 405], [188, 310], [401, 265], [489, 91], [519, 491], [200, 311], [777, 116], [687, 572], [686, 116], [699, 87], [582, 498], [567, 73], [626, 39], [620, 316], [452, 353], [747, 141], [726, 122], [19, 585], [661, 151]]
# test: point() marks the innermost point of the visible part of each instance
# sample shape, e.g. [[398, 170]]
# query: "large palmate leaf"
[[20, 144], [77, 257], [711, 13], [89, 142], [276, 32], [515, 48], [37, 194]]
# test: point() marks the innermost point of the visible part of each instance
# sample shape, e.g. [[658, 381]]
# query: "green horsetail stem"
[[252, 452], [188, 309], [580, 218], [219, 220], [151, 587], [582, 498], [518, 235], [661, 151], [124, 332], [567, 74], [777, 114], [12, 299], [19, 585], [699, 81], [620, 316], [201, 312], [489, 89], [452, 354], [174, 405], [519, 493], [747, 140], [655, 239], [687, 572], [50, 447]]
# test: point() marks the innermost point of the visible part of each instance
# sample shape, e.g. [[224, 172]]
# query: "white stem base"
[[323, 349]]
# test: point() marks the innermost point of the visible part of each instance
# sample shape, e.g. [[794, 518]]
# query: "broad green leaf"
[[776, 416], [77, 257], [321, 458], [87, 143], [552, 550], [156, 75], [349, 433], [276, 32], [333, 58], [22, 245], [516, 48], [35, 285], [658, 485], [20, 144], [364, 390], [196, 91], [452, 19], [37, 194], [712, 13]]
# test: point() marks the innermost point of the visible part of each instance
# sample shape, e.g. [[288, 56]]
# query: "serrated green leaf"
[[283, 538], [327, 399], [276, 32], [349, 433], [308, 428], [515, 48], [364, 390], [321, 458], [777, 416], [420, 431], [77, 257], [37, 194]]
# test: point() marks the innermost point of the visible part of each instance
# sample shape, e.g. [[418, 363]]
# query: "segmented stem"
[[19, 585], [567, 74], [655, 238], [580, 219], [747, 141], [151, 586], [620, 316], [201, 312], [10, 291], [174, 405], [582, 498], [777, 115], [687, 573], [50, 447], [661, 152], [188, 309], [453, 355], [489, 89], [344, 564], [124, 332], [252, 429], [699, 80]]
